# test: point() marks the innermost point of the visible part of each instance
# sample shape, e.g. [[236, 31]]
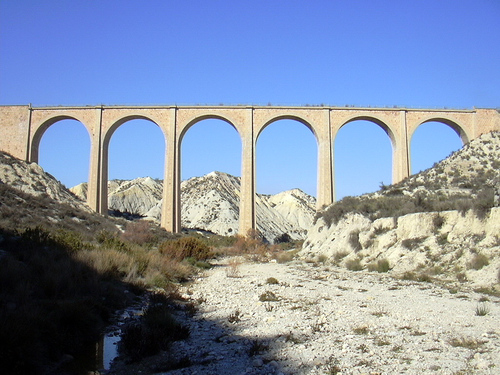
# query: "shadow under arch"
[[370, 142], [296, 137], [42, 128], [433, 141]]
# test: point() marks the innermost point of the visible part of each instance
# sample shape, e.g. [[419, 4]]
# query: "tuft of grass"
[[361, 330], [268, 297], [482, 309]]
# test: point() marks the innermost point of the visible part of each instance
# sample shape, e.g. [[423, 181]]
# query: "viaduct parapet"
[[22, 128]]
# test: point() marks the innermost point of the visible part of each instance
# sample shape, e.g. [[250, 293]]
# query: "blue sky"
[[423, 54]]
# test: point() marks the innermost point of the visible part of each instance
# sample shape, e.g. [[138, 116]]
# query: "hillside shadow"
[[52, 306]]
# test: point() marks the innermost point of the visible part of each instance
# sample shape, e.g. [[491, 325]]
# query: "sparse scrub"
[[268, 297], [272, 281], [482, 309], [478, 261], [354, 264], [186, 247], [382, 265], [354, 240]]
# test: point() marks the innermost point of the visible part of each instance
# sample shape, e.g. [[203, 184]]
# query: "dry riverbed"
[[302, 318]]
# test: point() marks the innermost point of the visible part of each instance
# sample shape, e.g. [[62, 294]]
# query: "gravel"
[[328, 320]]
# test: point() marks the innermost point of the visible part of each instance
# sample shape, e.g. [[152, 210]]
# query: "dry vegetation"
[[61, 280]]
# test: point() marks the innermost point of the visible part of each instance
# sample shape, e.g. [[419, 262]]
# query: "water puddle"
[[99, 356]]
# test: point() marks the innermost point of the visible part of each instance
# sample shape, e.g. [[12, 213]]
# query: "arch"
[[360, 153], [64, 151], [376, 121], [313, 190], [115, 125], [260, 129], [437, 139], [209, 145], [459, 129], [184, 128], [39, 131]]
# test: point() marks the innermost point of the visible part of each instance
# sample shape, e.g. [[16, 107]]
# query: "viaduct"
[[22, 128]]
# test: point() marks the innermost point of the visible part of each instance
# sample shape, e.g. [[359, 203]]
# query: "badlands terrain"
[[403, 280], [211, 203]]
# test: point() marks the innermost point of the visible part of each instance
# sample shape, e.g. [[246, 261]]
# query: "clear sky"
[[422, 53]]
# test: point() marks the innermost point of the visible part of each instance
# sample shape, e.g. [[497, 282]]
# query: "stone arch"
[[453, 124], [40, 129], [439, 139], [299, 124], [260, 129], [115, 125], [381, 154], [206, 144], [383, 124], [185, 127]]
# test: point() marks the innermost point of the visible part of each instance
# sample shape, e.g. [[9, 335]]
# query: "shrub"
[[478, 261], [354, 265], [382, 265], [186, 247], [272, 281], [153, 333], [438, 221], [354, 240], [138, 232], [268, 297], [284, 238], [412, 243]]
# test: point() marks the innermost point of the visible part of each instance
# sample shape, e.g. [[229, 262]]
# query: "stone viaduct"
[[22, 128]]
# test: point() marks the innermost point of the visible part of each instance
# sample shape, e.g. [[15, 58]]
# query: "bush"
[[138, 232], [382, 265], [354, 264], [153, 333], [478, 261], [186, 247], [354, 240]]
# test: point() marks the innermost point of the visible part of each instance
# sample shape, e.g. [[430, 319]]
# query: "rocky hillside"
[[29, 197], [211, 203], [30, 178], [443, 222]]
